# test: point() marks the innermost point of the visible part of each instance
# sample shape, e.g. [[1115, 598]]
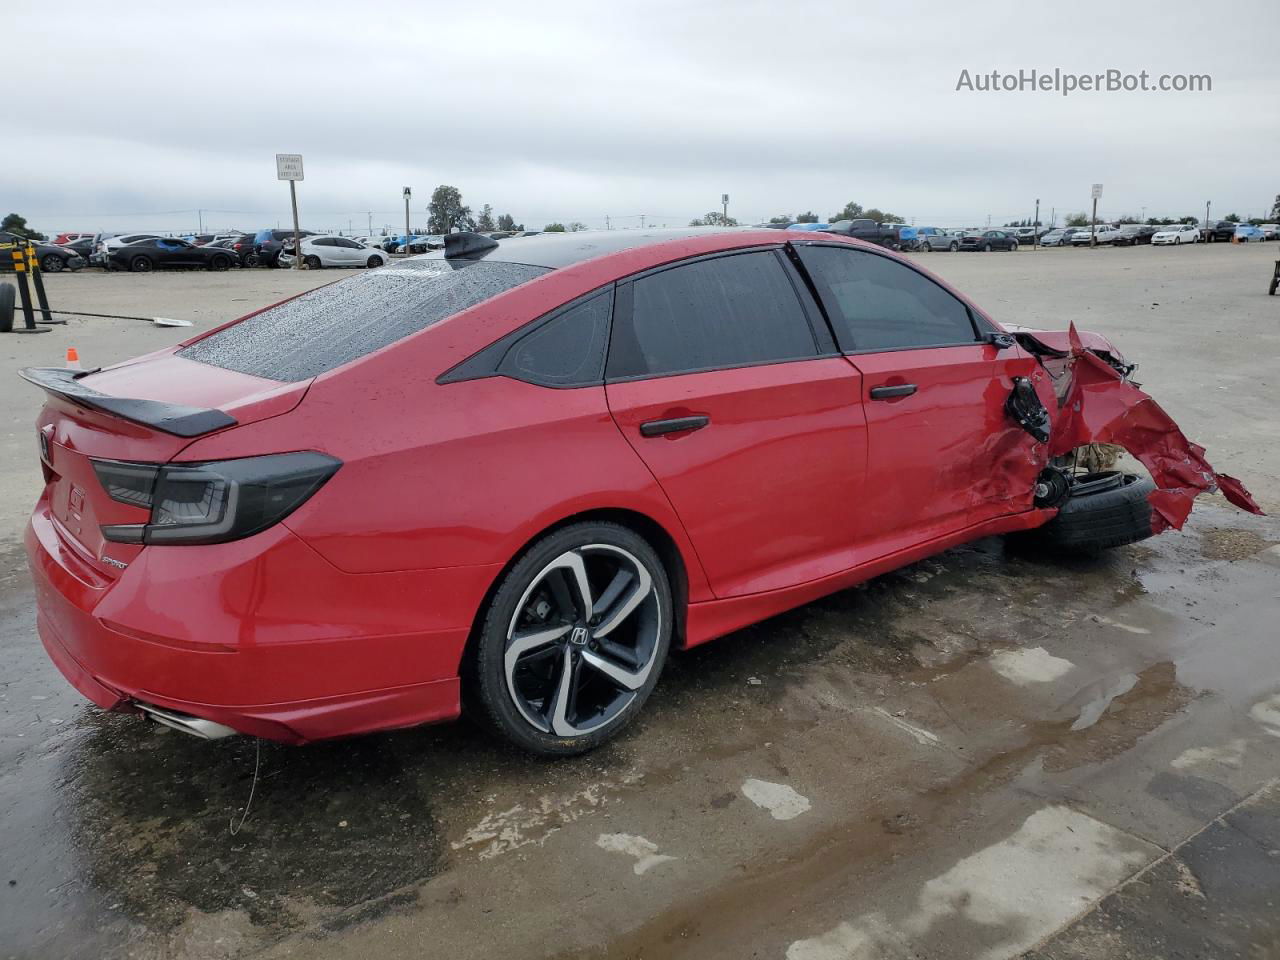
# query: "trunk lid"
[[147, 410]]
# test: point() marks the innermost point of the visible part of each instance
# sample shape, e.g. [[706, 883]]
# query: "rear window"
[[336, 324]]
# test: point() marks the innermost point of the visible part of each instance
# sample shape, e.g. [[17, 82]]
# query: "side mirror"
[[1001, 341]]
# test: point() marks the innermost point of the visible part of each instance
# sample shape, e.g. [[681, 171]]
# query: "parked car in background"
[[82, 248], [109, 242], [1102, 234], [423, 243], [1025, 234], [52, 258], [267, 244], [1247, 233], [1176, 234], [809, 226], [934, 238], [989, 240], [143, 256], [1220, 232], [1133, 234], [868, 230], [245, 250], [1270, 230], [1056, 238], [64, 239], [331, 251], [204, 239]]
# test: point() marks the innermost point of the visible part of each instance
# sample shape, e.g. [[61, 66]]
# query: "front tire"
[[220, 263], [52, 263], [1103, 510], [374, 262], [313, 263], [574, 639], [1013, 246], [954, 247]]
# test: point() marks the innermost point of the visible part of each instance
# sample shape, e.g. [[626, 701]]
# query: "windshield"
[[336, 324]]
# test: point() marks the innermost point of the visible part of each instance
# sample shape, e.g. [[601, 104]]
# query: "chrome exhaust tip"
[[204, 729]]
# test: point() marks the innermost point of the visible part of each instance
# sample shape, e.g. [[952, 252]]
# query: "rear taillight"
[[213, 502]]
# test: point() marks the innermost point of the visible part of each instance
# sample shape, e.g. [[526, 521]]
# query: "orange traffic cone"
[[73, 359]]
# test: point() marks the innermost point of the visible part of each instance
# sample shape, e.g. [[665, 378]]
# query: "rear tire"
[[1013, 246], [8, 294], [374, 262], [955, 247], [52, 263], [141, 265], [1103, 510], [547, 675], [220, 263], [313, 263]]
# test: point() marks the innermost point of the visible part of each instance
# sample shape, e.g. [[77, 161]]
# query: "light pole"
[[1035, 227], [407, 194]]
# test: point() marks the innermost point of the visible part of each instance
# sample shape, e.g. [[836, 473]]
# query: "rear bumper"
[[268, 639]]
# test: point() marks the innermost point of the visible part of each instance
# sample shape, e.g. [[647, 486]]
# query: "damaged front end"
[[1086, 401]]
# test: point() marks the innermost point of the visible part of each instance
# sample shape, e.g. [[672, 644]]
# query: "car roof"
[[556, 250]]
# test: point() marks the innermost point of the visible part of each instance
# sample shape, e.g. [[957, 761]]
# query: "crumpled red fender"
[[1102, 407]]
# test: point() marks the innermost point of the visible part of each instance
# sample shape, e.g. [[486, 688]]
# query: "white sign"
[[1097, 191], [407, 193], [288, 166], [724, 198]]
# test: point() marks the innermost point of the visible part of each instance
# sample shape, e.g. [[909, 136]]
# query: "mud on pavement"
[[853, 778]]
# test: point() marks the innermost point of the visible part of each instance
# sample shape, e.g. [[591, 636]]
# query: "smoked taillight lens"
[[193, 503]]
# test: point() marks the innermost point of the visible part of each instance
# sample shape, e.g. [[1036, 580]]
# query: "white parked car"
[[1101, 234], [320, 252], [1270, 231], [1182, 233]]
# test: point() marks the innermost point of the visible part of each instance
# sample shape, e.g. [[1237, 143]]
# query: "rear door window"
[[876, 303], [728, 311], [338, 323]]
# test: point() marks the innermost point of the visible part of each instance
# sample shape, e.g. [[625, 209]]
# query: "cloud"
[[577, 110]]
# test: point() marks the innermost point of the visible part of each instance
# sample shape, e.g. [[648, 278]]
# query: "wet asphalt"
[[986, 754]]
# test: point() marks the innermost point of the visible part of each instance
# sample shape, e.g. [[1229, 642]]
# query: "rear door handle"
[[897, 390], [657, 428]]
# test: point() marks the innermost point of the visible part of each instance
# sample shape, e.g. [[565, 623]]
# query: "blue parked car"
[[808, 226], [1247, 234]]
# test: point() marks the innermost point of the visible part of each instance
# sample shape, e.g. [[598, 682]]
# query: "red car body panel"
[[353, 613], [789, 435]]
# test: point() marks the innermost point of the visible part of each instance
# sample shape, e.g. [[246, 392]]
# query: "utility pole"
[[1093, 222], [606, 222], [370, 216], [724, 201], [1206, 214], [407, 194], [1035, 226], [642, 221], [200, 218]]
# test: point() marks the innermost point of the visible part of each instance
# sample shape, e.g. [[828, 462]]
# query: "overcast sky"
[[140, 114]]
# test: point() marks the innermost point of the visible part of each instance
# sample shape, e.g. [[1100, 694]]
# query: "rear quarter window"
[[333, 325]]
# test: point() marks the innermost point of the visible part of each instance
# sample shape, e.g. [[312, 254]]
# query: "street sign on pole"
[[1097, 191], [289, 166]]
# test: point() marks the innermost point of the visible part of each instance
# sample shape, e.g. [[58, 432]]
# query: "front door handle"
[[897, 390], [658, 428]]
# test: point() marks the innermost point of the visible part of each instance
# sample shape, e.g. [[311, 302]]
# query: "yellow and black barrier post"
[[37, 281], [20, 259]]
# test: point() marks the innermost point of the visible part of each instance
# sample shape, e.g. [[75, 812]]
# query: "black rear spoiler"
[[170, 418]]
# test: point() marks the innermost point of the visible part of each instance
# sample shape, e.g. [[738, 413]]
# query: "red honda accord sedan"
[[527, 469]]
